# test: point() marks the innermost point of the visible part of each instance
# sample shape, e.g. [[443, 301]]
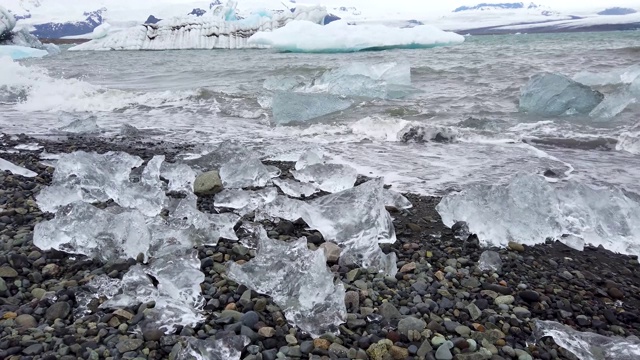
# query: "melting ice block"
[[181, 177], [587, 345], [223, 153], [15, 169], [81, 228], [490, 261], [177, 294], [291, 107], [298, 281], [240, 173], [328, 177], [614, 77], [7, 22], [307, 158], [244, 201], [227, 348], [294, 188], [78, 126], [553, 95], [397, 200], [529, 209], [354, 219], [339, 36], [618, 101]]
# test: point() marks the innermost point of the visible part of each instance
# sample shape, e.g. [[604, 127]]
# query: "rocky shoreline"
[[439, 294]]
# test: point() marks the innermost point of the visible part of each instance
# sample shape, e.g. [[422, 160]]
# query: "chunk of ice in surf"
[[298, 281], [307, 158], [15, 169], [328, 177], [490, 261], [212, 158], [588, 345], [291, 107], [244, 201], [396, 200], [295, 188], [354, 219], [553, 95], [81, 228], [80, 126]]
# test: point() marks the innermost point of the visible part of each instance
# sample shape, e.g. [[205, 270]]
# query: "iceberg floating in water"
[[15, 169], [81, 228], [528, 210], [554, 95], [328, 177], [355, 219], [614, 77], [291, 107], [618, 101], [224, 31], [298, 281], [587, 345], [16, 52], [177, 295], [338, 36]]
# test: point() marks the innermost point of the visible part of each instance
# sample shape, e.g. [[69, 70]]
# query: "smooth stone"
[[8, 272], [59, 310], [411, 323], [207, 183], [504, 299], [129, 345], [26, 321], [33, 350], [529, 296], [515, 246], [267, 332], [474, 311], [463, 330], [521, 312], [444, 351]]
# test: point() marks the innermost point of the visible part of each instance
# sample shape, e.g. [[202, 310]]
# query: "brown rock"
[[398, 353], [501, 342], [123, 314], [230, 306], [9, 315], [408, 267], [51, 270], [322, 344], [439, 275], [462, 344], [267, 332], [331, 251], [515, 246], [394, 336], [414, 227], [615, 293]]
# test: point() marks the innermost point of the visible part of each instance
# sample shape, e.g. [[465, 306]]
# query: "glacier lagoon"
[[461, 127]]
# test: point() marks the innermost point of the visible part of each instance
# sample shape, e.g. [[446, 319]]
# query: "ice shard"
[[396, 200], [490, 261], [243, 173], [15, 169], [549, 94], [80, 126], [81, 228], [528, 210], [291, 107], [177, 293], [244, 201], [181, 177], [354, 219], [588, 345], [221, 154], [295, 188], [328, 177], [307, 158], [151, 172], [208, 228], [298, 281], [613, 104], [227, 348], [614, 77]]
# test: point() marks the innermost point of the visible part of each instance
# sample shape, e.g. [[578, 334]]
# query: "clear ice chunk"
[[79, 126], [328, 177], [223, 153], [613, 104], [295, 188], [614, 77], [528, 210], [81, 228], [549, 94], [307, 158], [177, 295], [490, 261], [245, 173], [29, 147], [203, 229], [151, 172], [244, 201], [15, 169], [298, 281], [574, 242], [291, 107], [227, 348], [588, 345], [396, 200], [181, 177], [354, 219]]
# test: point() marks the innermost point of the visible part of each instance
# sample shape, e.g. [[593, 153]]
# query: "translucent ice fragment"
[[245, 173], [295, 188], [203, 228], [15, 169], [290, 107], [78, 126], [328, 177], [307, 158], [588, 345], [181, 177], [151, 172], [614, 77], [81, 228], [490, 261], [298, 281], [223, 153], [397, 200], [227, 348], [553, 95], [354, 219], [574, 242], [244, 201], [613, 104]]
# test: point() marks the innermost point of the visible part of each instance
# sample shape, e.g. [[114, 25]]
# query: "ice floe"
[[292, 107], [549, 94], [339, 36], [15, 169]]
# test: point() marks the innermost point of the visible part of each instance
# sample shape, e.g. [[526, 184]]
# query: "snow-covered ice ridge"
[[225, 31], [20, 44]]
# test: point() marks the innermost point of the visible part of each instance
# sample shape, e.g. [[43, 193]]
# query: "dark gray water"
[[470, 90]]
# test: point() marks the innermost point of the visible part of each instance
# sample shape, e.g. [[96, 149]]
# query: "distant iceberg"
[[21, 52], [339, 36], [20, 44], [222, 30]]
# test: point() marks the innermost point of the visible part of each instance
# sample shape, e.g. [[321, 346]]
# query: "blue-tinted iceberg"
[[21, 52], [618, 101], [528, 210], [338, 36], [549, 94], [222, 30], [291, 107]]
